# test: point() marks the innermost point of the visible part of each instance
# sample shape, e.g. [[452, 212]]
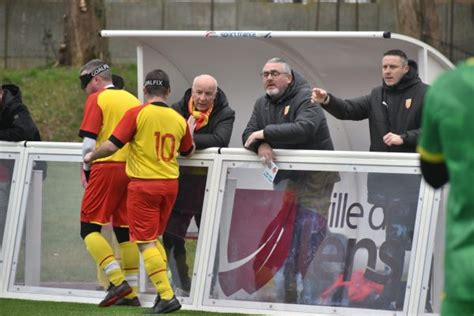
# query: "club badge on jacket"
[[408, 103], [286, 110]]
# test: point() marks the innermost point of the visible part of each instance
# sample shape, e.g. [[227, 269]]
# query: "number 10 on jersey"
[[165, 146]]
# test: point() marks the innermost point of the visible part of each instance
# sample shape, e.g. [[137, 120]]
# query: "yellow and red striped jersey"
[[103, 111], [156, 134]]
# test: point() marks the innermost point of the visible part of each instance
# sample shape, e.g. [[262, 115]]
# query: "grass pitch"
[[12, 307]]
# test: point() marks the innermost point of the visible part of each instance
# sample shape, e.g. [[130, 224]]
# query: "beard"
[[273, 92]]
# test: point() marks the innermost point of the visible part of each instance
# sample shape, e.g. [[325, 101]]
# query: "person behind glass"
[[104, 199], [211, 120], [446, 150], [393, 110], [284, 118], [156, 135], [16, 125]]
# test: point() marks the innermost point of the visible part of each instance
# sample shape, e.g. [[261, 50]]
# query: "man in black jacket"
[[16, 125], [285, 119], [394, 113], [211, 120]]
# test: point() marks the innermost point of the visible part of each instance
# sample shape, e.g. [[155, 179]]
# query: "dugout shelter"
[[232, 247]]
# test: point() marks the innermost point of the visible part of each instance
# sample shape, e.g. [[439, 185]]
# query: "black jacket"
[[218, 130], [290, 122], [395, 109], [16, 123]]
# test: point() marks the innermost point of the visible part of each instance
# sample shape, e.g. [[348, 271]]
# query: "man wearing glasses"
[[284, 118]]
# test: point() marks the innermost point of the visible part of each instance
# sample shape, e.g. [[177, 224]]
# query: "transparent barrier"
[[332, 233], [9, 158]]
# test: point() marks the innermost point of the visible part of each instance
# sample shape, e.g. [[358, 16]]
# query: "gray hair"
[[93, 64], [278, 60]]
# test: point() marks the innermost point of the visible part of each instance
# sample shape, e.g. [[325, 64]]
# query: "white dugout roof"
[[347, 64]]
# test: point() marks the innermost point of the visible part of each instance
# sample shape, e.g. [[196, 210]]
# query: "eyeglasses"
[[273, 73]]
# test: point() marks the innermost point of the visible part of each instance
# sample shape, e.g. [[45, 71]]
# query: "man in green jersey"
[[447, 153]]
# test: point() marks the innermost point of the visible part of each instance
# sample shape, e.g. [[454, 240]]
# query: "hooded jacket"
[[16, 123], [395, 109], [218, 130], [291, 121]]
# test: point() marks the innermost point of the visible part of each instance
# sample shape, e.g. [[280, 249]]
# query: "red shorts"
[[105, 198], [150, 203]]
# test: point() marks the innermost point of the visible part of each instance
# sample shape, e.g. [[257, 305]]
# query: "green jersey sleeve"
[[429, 146]]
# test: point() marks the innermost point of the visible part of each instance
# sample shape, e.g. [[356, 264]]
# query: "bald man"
[[211, 119]]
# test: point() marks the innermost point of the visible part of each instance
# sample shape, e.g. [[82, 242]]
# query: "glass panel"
[[433, 283], [316, 238], [52, 253], [181, 235], [6, 172]]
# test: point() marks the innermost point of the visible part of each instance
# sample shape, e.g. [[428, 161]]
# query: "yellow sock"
[[102, 278], [156, 269], [130, 262], [162, 251], [102, 253]]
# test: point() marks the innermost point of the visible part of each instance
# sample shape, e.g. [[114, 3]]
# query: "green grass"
[[54, 97], [22, 307]]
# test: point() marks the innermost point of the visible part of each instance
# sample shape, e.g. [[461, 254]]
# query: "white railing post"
[[33, 230]]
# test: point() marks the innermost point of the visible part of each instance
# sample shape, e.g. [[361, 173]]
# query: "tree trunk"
[[419, 19], [83, 21], [408, 18], [431, 33]]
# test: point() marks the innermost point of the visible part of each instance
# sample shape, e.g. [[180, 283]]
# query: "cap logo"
[[157, 82], [99, 69]]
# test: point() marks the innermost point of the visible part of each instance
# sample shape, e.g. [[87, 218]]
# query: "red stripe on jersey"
[[127, 126], [92, 120]]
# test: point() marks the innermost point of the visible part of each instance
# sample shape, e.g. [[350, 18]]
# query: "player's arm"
[[90, 128], [106, 149], [435, 174], [122, 134], [433, 168], [432, 159], [88, 145], [187, 146]]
